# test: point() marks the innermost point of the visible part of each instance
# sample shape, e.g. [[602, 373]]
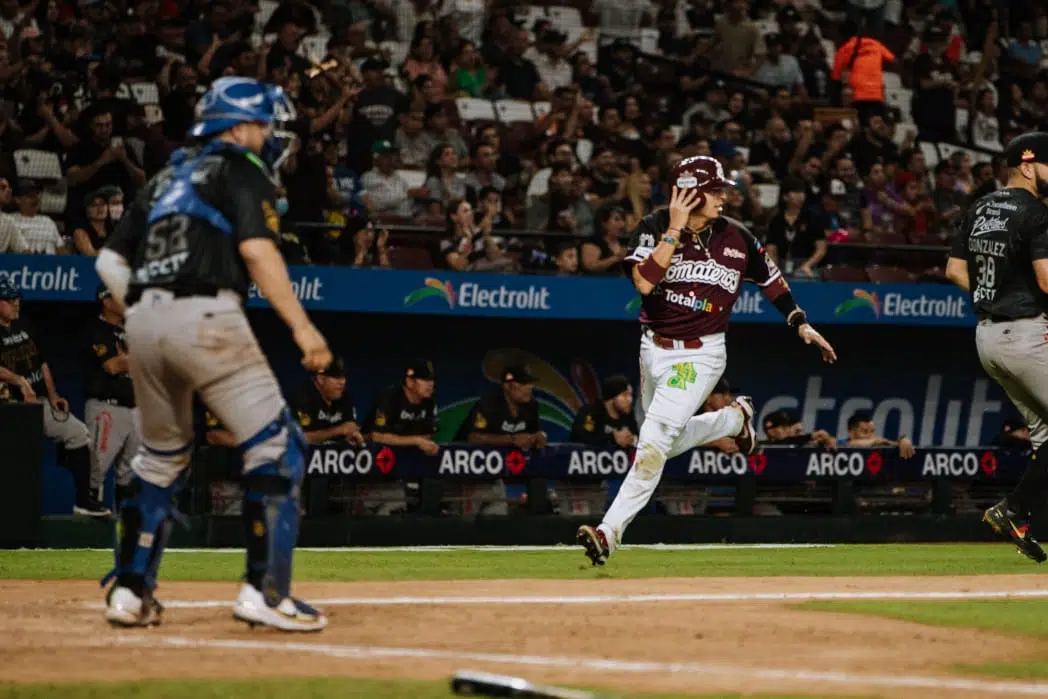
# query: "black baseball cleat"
[[746, 440], [89, 507], [595, 544], [1004, 522]]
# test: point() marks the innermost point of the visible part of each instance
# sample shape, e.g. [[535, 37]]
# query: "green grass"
[[1012, 616], [886, 559], [327, 688]]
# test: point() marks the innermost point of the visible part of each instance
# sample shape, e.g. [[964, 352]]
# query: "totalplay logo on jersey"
[[689, 301]]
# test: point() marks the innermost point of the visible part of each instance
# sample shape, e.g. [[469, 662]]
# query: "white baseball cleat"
[[290, 615], [126, 609], [747, 437]]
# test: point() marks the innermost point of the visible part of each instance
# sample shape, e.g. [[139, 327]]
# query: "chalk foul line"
[[351, 652], [633, 599]]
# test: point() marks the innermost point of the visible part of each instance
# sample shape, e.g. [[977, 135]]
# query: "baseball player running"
[[181, 260], [22, 367], [689, 268], [1000, 256], [109, 410]]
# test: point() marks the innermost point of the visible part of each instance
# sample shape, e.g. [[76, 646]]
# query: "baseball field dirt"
[[680, 636]]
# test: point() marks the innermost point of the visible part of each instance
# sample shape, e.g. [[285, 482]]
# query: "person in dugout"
[[325, 410], [608, 422], [506, 417], [405, 414]]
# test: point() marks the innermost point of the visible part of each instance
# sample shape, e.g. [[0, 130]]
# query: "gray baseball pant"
[[64, 428], [1015, 355], [114, 440], [202, 345]]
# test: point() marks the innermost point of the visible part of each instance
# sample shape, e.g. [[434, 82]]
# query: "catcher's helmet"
[[699, 172]]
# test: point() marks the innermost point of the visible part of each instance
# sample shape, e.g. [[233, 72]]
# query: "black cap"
[[1012, 424], [374, 63], [780, 418], [420, 369], [106, 192], [792, 183], [1029, 148], [722, 386], [336, 369], [518, 373], [25, 186], [858, 417], [613, 386], [102, 292]]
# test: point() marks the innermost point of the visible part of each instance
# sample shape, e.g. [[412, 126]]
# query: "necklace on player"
[[704, 246]]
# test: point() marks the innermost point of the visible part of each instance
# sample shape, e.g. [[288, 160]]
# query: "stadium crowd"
[[485, 135]]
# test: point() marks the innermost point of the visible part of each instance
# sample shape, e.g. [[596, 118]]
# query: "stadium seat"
[[53, 199], [266, 8], [744, 151], [962, 124], [892, 81], [530, 13], [768, 194], [564, 17], [584, 150], [145, 93], [541, 109], [843, 273], [410, 258], [888, 275], [511, 111], [767, 26], [37, 164], [901, 99], [414, 178], [471, 109], [931, 154], [396, 51]]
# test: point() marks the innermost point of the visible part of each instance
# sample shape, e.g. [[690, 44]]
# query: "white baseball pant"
[[674, 383]]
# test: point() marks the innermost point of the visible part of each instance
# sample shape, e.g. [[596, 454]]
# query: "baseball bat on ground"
[[486, 684]]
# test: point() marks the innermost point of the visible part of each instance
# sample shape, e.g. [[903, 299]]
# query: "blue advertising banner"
[[70, 278], [573, 462]]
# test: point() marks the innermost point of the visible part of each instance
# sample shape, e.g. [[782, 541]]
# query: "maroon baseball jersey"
[[704, 278]]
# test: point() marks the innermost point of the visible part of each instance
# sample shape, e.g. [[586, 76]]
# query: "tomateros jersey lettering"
[[705, 276]]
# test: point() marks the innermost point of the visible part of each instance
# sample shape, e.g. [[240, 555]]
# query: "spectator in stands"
[[386, 191], [949, 203], [509, 165], [553, 68], [490, 200], [604, 252], [815, 69], [422, 60], [1014, 434], [608, 422], [1024, 48], [177, 83], [558, 152], [776, 152], [347, 187], [517, 75], [469, 245], [566, 258], [593, 87], [985, 180], [376, 111], [964, 179], [325, 410], [371, 249], [90, 238], [469, 76], [796, 235], [917, 216], [11, 239], [482, 174], [779, 68], [737, 44], [424, 94], [405, 414], [783, 428], [862, 435], [638, 198], [848, 191], [880, 203], [621, 69], [562, 208], [438, 132], [413, 142], [713, 109], [39, 231], [873, 144], [859, 63], [985, 130], [443, 180], [100, 160], [935, 90], [284, 52]]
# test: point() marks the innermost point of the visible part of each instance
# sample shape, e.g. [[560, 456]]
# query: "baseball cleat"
[[290, 615], [89, 507], [747, 438], [595, 543], [125, 609], [1003, 522]]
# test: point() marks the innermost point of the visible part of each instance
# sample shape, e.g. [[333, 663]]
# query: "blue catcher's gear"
[[234, 100], [271, 507], [9, 291]]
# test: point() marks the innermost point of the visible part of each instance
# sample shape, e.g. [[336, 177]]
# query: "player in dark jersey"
[[109, 409], [608, 422], [27, 375], [1000, 256], [182, 258], [405, 414], [689, 265]]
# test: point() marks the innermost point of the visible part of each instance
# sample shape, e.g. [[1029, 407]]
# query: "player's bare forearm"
[[397, 440], [8, 376], [491, 440], [49, 382], [957, 272], [267, 269], [221, 438]]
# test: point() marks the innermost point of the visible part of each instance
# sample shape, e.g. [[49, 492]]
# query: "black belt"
[[181, 291], [116, 402]]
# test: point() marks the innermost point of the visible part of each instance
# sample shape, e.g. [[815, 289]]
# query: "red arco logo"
[[385, 460]]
